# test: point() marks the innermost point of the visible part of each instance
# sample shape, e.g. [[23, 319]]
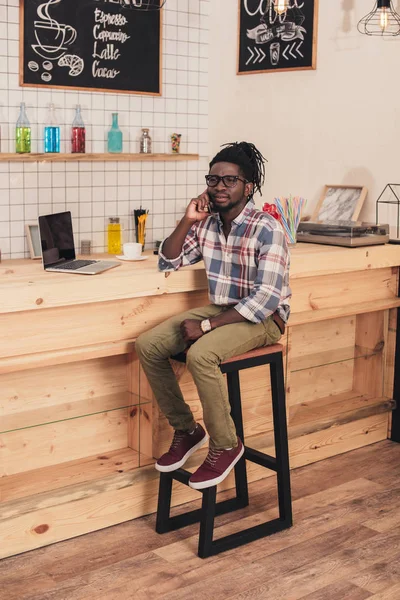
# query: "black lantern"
[[391, 197], [383, 20]]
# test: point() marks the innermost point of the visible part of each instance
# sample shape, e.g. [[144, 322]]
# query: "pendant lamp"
[[383, 20]]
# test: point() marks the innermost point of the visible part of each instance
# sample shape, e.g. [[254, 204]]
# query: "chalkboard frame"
[[313, 65], [22, 83]]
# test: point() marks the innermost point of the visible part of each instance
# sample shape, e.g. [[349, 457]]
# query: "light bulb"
[[383, 20], [280, 6]]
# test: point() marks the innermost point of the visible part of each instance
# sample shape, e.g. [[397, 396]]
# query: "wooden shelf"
[[95, 157], [330, 357], [335, 410], [71, 473]]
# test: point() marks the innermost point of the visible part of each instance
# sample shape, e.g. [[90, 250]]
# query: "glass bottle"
[[51, 132], [145, 142], [22, 132], [78, 133], [114, 237], [114, 139]]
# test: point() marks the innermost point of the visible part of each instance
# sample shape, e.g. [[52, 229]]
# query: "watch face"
[[205, 325]]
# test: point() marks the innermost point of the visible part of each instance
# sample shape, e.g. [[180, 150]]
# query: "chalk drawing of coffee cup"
[[274, 52], [33, 66], [52, 39]]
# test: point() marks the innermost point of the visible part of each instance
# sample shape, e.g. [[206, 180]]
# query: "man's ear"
[[248, 189]]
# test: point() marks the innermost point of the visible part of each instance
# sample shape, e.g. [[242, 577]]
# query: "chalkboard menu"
[[274, 39], [90, 44]]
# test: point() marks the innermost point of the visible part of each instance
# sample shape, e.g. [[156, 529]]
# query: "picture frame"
[[340, 203], [270, 41], [33, 239], [62, 34]]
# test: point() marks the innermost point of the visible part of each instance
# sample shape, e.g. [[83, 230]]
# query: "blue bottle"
[[114, 139], [51, 132]]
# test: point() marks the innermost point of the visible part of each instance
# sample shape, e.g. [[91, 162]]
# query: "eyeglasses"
[[229, 181]]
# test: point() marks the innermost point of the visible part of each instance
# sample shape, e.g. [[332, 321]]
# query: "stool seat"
[[279, 463], [257, 352], [265, 350]]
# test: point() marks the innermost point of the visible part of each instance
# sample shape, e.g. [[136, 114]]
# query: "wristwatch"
[[205, 326]]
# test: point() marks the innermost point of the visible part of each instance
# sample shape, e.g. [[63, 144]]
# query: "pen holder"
[[140, 226]]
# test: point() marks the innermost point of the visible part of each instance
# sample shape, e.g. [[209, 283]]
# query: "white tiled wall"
[[95, 191]]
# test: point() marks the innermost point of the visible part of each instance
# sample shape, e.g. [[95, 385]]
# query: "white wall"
[[337, 124], [95, 191]]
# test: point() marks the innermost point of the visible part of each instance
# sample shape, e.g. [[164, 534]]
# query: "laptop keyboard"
[[76, 264]]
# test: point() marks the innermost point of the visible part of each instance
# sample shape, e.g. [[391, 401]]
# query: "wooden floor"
[[345, 545]]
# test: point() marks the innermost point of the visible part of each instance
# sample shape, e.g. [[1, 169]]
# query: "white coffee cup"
[[132, 250]]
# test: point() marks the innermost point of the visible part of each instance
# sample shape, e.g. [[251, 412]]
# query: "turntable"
[[343, 233]]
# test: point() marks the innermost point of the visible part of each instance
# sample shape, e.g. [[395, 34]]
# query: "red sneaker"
[[183, 445], [218, 464]]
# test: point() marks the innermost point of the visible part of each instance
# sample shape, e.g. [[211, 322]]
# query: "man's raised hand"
[[198, 208]]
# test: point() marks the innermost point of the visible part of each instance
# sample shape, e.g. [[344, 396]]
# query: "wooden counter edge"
[[23, 291]]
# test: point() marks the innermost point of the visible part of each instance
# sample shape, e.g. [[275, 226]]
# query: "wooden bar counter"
[[78, 425]]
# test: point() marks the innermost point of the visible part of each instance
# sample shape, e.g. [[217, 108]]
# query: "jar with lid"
[[114, 235], [145, 142]]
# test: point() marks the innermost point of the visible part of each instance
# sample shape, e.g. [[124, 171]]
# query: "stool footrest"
[[265, 460], [245, 536], [194, 516], [181, 475]]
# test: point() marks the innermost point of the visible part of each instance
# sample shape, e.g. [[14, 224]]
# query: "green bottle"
[[114, 138], [22, 132]]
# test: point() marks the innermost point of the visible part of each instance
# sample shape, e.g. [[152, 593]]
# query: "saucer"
[[122, 257]]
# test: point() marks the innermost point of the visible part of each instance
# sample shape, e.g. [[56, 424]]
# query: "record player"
[[343, 233]]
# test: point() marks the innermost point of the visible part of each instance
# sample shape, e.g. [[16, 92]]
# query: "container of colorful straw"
[[288, 211], [140, 216]]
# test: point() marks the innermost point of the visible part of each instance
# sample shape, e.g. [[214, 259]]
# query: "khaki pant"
[[203, 358]]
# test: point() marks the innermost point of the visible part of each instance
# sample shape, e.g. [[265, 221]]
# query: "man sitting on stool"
[[247, 264]]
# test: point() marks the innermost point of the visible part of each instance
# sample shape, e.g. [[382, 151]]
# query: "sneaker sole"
[[201, 485], [180, 463]]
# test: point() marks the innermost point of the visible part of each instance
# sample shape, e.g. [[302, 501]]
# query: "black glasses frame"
[[223, 179]]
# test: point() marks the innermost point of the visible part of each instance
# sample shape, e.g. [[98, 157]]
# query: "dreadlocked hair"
[[248, 158]]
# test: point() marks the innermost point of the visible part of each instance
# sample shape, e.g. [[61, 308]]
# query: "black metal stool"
[[271, 355]]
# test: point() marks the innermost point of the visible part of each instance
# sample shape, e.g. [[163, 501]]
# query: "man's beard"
[[223, 209]]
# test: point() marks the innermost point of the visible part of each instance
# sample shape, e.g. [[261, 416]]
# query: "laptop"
[[58, 248]]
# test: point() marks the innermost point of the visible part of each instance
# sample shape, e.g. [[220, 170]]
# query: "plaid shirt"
[[248, 271]]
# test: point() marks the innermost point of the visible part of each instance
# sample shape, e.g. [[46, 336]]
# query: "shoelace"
[[212, 456], [178, 435]]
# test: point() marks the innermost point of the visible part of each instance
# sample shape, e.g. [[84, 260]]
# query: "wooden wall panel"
[[340, 290], [318, 382], [336, 440], [84, 325], [54, 393], [146, 454], [313, 345], [389, 351], [370, 341], [87, 324], [37, 447], [64, 475]]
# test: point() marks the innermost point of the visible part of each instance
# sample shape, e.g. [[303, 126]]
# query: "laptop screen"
[[57, 238]]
